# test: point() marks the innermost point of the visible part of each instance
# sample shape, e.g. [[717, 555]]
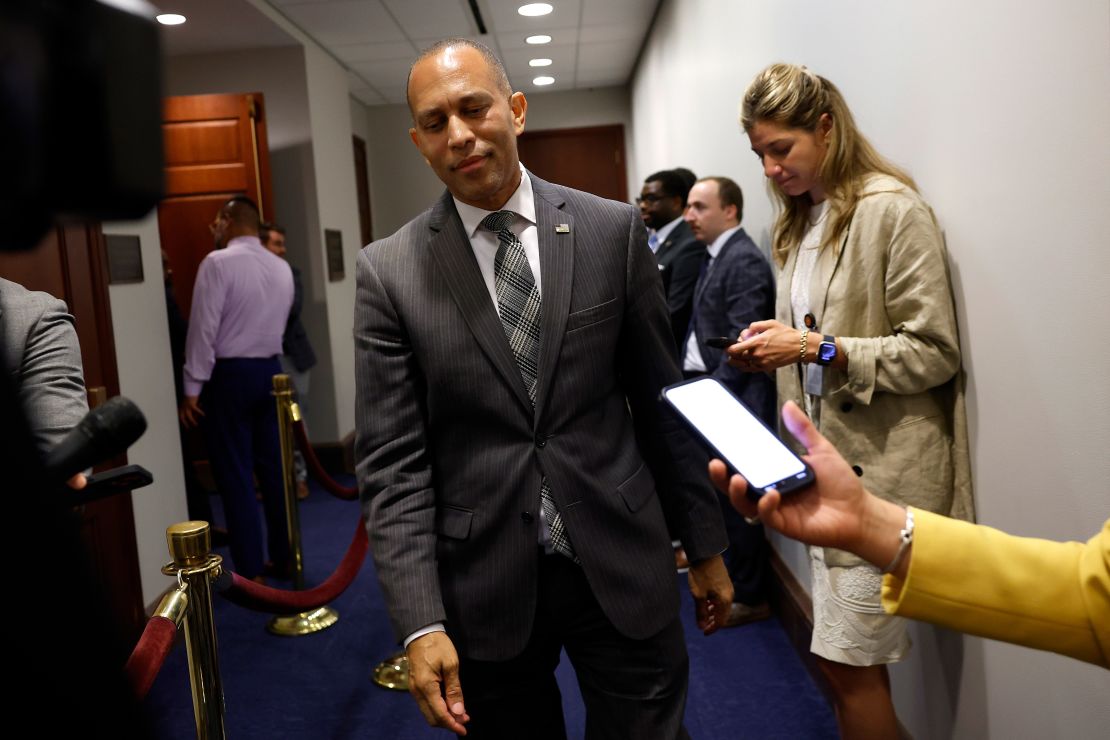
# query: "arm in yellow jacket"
[[1046, 595], [975, 579]]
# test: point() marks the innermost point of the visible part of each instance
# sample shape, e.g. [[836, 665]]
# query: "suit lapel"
[[827, 260], [703, 281], [556, 278], [453, 253]]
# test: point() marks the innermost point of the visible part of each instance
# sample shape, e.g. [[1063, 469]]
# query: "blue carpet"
[[744, 682]]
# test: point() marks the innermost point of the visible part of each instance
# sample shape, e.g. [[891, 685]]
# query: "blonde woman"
[[864, 340]]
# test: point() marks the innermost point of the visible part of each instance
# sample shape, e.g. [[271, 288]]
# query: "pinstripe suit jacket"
[[450, 452]]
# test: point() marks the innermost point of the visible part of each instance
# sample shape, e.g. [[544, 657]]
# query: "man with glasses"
[[680, 255]]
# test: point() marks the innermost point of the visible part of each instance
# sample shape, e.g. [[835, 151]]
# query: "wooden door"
[[215, 148], [590, 159], [71, 264]]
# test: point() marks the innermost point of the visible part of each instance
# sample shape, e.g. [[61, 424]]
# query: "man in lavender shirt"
[[241, 300]]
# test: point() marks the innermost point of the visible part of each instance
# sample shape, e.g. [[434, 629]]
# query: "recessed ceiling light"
[[169, 19], [533, 9], [539, 62], [544, 81], [541, 38]]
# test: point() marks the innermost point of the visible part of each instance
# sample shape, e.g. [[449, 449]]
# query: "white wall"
[[401, 183], [142, 339], [999, 110], [337, 208]]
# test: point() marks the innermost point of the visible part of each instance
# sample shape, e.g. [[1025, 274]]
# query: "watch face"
[[826, 351]]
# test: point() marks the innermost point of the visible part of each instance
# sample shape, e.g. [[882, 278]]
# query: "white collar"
[[522, 202], [662, 233], [715, 248]]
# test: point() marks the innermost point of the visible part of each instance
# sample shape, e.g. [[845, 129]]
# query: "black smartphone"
[[110, 482], [720, 342], [736, 435]]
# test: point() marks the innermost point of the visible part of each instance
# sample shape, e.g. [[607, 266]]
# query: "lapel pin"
[[562, 228]]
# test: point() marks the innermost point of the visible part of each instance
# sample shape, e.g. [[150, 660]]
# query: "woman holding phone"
[[865, 341]]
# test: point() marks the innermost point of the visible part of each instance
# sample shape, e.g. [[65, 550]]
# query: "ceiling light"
[[544, 81], [539, 62], [169, 19], [538, 39], [534, 9]]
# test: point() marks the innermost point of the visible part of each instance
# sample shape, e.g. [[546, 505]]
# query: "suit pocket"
[[638, 489], [454, 522], [592, 315]]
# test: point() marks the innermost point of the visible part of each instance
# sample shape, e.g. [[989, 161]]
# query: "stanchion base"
[[304, 623], [393, 673]]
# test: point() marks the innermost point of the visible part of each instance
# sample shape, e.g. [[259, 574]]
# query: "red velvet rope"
[[344, 492], [247, 593], [147, 657]]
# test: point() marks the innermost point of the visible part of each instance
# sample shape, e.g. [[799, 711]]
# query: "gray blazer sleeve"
[[44, 359]]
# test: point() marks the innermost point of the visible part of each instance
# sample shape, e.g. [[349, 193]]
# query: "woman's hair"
[[793, 97]]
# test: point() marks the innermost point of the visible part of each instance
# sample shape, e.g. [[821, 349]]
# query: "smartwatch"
[[826, 351]]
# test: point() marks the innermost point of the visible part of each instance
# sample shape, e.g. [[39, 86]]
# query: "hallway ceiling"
[[594, 42]]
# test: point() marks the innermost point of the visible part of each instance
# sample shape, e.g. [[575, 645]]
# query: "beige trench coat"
[[897, 413]]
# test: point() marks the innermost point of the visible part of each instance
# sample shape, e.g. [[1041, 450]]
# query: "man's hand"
[[712, 591], [77, 482], [189, 412], [829, 512], [434, 681]]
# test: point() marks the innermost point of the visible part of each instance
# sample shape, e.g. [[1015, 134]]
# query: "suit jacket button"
[[541, 441], [526, 517], [846, 406], [857, 470]]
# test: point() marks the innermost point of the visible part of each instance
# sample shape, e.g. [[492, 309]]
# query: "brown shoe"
[[681, 562], [739, 614], [302, 490]]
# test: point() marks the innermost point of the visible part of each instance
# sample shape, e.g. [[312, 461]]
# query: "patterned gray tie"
[[518, 302]]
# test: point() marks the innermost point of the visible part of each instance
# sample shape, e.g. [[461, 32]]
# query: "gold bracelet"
[[805, 338]]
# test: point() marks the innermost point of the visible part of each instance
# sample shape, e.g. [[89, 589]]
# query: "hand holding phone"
[[736, 435], [720, 342]]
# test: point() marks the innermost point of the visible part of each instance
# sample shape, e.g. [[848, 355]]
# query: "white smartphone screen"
[[741, 438]]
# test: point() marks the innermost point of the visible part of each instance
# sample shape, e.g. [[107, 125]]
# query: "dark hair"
[[242, 211], [266, 227], [499, 74], [671, 183], [728, 192], [687, 175]]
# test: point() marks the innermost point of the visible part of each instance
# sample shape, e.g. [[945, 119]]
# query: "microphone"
[[105, 432]]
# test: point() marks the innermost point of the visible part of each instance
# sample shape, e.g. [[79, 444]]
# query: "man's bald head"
[[496, 68]]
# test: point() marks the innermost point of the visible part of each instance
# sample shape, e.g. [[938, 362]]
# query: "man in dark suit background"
[[502, 338], [679, 254], [735, 288], [298, 357]]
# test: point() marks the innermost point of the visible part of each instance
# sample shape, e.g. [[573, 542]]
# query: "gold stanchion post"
[[308, 622], [393, 672], [194, 565]]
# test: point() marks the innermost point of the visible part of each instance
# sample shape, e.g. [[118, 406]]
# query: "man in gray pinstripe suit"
[[459, 429]]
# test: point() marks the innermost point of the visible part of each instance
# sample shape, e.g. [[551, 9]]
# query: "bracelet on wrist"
[[906, 537], [802, 353]]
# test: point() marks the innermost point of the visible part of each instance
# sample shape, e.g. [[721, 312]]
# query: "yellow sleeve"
[[975, 579]]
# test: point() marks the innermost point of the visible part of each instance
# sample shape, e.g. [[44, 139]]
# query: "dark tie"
[[518, 302]]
